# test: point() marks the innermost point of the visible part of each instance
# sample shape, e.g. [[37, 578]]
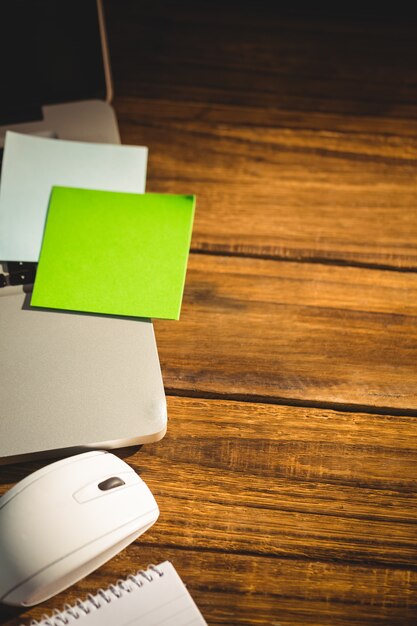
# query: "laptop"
[[68, 381]]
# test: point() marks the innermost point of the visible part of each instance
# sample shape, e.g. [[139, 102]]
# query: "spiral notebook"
[[155, 597]]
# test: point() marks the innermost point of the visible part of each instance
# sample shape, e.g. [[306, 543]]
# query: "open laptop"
[[68, 381]]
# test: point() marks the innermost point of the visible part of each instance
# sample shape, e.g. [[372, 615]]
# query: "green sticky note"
[[114, 253]]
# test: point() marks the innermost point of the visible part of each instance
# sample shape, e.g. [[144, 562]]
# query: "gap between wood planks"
[[308, 404], [307, 260]]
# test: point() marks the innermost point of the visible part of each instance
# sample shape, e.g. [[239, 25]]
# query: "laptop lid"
[[51, 52]]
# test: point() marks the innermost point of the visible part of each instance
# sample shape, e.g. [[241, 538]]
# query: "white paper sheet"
[[163, 601], [33, 165]]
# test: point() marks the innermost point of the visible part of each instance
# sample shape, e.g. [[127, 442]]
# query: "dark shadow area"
[[303, 58], [18, 467]]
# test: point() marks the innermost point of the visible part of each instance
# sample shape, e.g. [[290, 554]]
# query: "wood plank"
[[238, 590], [260, 56], [293, 151], [306, 333], [135, 111], [277, 514], [283, 192]]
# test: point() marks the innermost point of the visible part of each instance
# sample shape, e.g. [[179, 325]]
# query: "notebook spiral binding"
[[69, 614]]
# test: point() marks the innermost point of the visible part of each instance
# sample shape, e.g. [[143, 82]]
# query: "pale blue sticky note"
[[33, 165]]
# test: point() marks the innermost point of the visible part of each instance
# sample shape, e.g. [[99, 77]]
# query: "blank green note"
[[114, 253]]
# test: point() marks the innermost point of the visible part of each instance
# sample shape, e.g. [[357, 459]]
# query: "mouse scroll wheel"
[[111, 483]]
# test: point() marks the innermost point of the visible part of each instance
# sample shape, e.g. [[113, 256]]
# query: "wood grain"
[[283, 192], [308, 333], [262, 56], [321, 529], [295, 148]]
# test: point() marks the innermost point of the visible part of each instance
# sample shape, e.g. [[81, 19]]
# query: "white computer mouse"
[[65, 520]]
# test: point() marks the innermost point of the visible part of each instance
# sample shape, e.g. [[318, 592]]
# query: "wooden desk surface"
[[287, 480]]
